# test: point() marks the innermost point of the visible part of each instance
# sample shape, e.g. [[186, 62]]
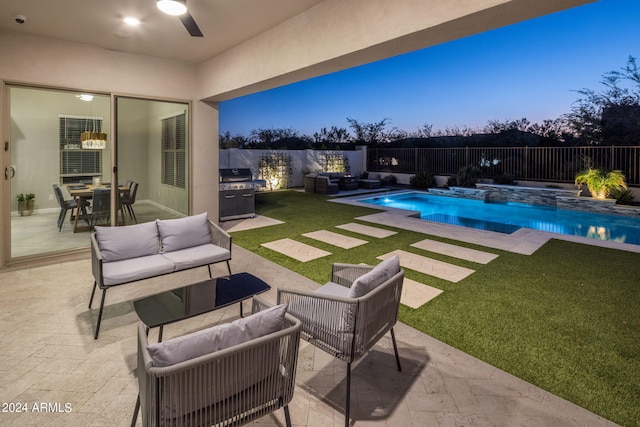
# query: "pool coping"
[[524, 241]]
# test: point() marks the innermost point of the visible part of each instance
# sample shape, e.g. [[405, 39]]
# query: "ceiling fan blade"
[[190, 24]]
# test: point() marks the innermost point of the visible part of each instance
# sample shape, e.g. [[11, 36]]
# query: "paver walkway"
[[432, 267], [415, 294], [335, 239], [455, 251], [296, 250], [367, 230]]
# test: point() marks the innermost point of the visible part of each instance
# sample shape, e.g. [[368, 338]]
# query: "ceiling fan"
[[179, 8]]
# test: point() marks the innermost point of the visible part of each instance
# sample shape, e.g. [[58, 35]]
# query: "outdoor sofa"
[[127, 254]]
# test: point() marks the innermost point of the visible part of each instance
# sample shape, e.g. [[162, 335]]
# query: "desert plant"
[[422, 179], [468, 176], [503, 179], [389, 180], [601, 182], [622, 196]]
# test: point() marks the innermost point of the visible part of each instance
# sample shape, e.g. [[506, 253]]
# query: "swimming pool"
[[507, 217]]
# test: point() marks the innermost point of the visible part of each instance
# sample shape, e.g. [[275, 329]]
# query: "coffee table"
[[196, 299]]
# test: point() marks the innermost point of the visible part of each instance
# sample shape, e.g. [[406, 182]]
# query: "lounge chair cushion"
[[176, 234], [197, 256], [130, 270], [217, 338], [374, 278], [121, 243]]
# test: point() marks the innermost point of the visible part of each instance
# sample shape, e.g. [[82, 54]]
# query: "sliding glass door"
[[62, 147]]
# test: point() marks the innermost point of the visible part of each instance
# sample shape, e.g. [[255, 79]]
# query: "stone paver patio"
[[48, 354]]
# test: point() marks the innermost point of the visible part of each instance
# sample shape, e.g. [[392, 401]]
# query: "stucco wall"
[[339, 34]]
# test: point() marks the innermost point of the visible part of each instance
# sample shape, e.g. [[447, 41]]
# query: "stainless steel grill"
[[236, 194]]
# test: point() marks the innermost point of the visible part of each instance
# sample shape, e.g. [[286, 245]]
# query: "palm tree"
[[600, 182]]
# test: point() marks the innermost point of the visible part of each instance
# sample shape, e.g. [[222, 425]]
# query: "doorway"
[[47, 150]]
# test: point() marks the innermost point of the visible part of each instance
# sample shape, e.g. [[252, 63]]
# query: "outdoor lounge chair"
[[230, 374], [348, 315]]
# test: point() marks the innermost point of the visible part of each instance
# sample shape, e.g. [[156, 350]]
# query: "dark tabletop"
[[199, 298]]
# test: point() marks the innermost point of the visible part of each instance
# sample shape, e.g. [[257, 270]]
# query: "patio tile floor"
[[48, 354]]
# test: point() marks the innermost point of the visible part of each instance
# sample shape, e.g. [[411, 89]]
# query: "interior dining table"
[[84, 192]]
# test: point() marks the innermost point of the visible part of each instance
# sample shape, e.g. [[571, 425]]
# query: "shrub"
[[423, 179], [622, 196], [389, 179], [468, 176], [503, 179], [600, 182]]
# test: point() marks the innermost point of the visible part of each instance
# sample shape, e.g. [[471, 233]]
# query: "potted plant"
[[26, 203], [600, 182]]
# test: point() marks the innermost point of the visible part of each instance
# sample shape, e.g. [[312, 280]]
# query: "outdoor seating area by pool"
[[507, 217]]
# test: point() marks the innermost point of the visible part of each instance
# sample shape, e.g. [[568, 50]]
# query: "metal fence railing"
[[556, 164]]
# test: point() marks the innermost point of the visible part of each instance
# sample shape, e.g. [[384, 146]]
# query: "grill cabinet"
[[236, 194]]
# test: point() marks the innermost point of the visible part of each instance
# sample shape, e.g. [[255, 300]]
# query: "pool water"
[[507, 217]]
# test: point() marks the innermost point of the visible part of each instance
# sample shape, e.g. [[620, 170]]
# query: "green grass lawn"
[[566, 318]]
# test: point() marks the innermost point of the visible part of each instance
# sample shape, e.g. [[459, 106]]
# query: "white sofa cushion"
[[374, 278], [197, 256], [131, 241], [130, 270], [176, 234], [217, 338]]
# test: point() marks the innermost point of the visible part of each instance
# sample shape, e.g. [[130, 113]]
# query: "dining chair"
[[128, 199], [101, 207], [66, 204]]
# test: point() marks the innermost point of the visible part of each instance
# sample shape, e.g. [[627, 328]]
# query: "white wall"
[[303, 161], [35, 144]]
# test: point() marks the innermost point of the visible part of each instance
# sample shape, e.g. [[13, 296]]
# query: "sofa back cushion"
[[131, 241], [374, 278], [176, 234], [217, 338]]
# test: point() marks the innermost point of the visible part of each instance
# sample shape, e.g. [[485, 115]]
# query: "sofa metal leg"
[[229, 267], [348, 404], [93, 292], [395, 349], [209, 267], [104, 293], [135, 412], [287, 416]]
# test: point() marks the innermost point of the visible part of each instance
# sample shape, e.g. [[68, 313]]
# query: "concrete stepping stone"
[[455, 251], [432, 267], [296, 250], [367, 230], [416, 294], [335, 239]]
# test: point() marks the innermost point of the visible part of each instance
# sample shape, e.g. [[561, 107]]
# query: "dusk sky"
[[530, 69]]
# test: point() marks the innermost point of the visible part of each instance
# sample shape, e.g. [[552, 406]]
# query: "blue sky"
[[530, 69]]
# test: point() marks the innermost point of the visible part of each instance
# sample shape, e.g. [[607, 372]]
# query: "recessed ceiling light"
[[172, 7], [134, 22]]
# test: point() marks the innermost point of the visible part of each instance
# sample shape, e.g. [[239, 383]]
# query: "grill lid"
[[235, 175]]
